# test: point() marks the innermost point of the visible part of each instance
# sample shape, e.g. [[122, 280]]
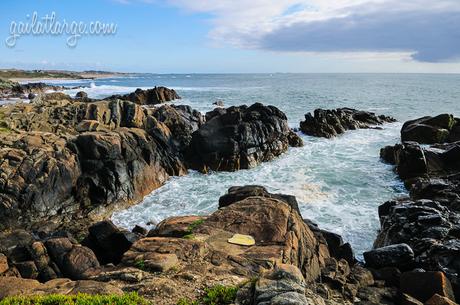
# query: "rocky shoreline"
[[66, 163]]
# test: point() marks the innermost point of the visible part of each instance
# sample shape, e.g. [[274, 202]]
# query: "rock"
[[406, 299], [439, 300], [429, 130], [139, 230], [74, 160], [79, 263], [238, 193], [27, 269], [152, 96], [390, 275], [294, 140], [330, 123], [160, 262], [81, 95], [58, 248], [399, 256], [13, 286], [108, 242], [423, 285], [280, 235], [219, 103], [284, 285], [3, 263], [178, 226], [239, 138]]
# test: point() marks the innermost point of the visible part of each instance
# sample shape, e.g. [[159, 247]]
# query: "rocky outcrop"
[[428, 221], [429, 130], [239, 138], [10, 89], [64, 159], [152, 96], [330, 123]]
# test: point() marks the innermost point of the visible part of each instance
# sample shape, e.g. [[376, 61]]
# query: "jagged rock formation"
[[330, 123], [152, 96], [10, 89], [428, 221], [429, 130], [239, 138], [62, 159]]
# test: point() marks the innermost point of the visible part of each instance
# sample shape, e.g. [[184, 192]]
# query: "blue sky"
[[218, 36]]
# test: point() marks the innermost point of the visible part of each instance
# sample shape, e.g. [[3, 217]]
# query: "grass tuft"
[[79, 299], [217, 295]]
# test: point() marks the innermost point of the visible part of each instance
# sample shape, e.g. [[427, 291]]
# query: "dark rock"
[[239, 138], [399, 256], [429, 130], [219, 103], [152, 96], [79, 262], [139, 230], [423, 285], [108, 242], [81, 95], [58, 248], [390, 275], [238, 193], [27, 269], [330, 123]]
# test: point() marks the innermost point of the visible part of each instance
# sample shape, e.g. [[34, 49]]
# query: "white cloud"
[[245, 24]]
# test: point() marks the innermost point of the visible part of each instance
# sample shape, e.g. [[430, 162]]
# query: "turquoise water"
[[339, 182]]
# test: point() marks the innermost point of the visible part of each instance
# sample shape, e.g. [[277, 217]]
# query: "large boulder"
[[279, 233], [330, 123], [239, 138], [430, 130], [399, 256], [108, 242], [152, 96], [79, 263]]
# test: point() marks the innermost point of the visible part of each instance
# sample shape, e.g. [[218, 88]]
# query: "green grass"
[[79, 299], [217, 295], [188, 236], [140, 264], [195, 225]]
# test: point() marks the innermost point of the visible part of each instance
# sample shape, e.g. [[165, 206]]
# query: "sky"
[[234, 36]]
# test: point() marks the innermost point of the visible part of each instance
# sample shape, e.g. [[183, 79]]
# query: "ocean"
[[339, 183]]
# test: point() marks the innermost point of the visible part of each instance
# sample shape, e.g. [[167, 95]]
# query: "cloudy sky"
[[174, 36]]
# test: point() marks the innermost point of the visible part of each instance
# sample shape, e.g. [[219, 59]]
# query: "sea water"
[[339, 183]]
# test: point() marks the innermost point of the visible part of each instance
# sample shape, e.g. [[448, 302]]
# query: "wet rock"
[[430, 130], [152, 96], [399, 256], [423, 285], [139, 230], [81, 95], [239, 138], [79, 262], [330, 123]]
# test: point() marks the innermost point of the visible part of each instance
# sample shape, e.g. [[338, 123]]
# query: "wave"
[[102, 91]]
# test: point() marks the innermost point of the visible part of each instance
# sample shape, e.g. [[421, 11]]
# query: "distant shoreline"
[[37, 75]]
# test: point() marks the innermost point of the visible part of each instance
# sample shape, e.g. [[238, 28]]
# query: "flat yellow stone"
[[242, 240]]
